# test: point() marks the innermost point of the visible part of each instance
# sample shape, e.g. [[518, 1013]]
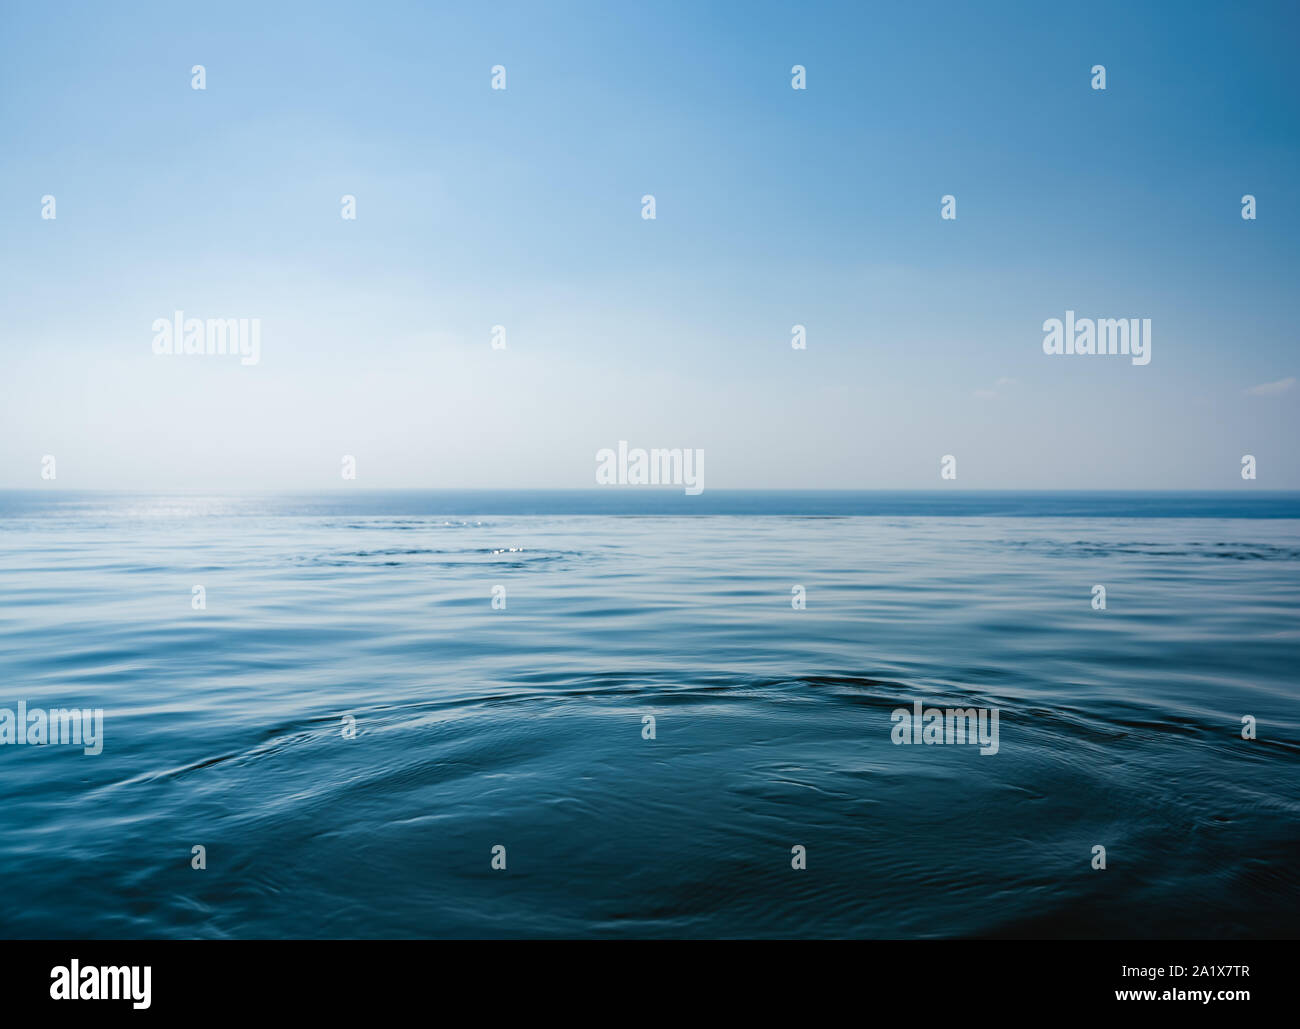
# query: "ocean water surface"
[[523, 727]]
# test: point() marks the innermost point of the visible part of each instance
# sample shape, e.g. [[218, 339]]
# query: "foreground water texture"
[[523, 727]]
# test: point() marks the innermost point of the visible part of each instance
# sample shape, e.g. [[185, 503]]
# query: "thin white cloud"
[[1272, 389]]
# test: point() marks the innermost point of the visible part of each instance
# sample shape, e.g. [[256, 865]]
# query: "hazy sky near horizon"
[[522, 207]]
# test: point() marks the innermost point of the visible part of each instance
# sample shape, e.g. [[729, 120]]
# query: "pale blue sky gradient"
[[479, 207]]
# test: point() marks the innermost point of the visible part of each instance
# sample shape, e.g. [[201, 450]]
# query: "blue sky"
[[522, 208]]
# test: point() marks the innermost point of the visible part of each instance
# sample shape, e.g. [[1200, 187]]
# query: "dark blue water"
[[523, 727]]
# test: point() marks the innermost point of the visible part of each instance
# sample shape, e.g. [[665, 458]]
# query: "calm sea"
[[523, 727]]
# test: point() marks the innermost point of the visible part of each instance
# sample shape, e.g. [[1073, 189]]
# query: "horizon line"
[[648, 489]]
